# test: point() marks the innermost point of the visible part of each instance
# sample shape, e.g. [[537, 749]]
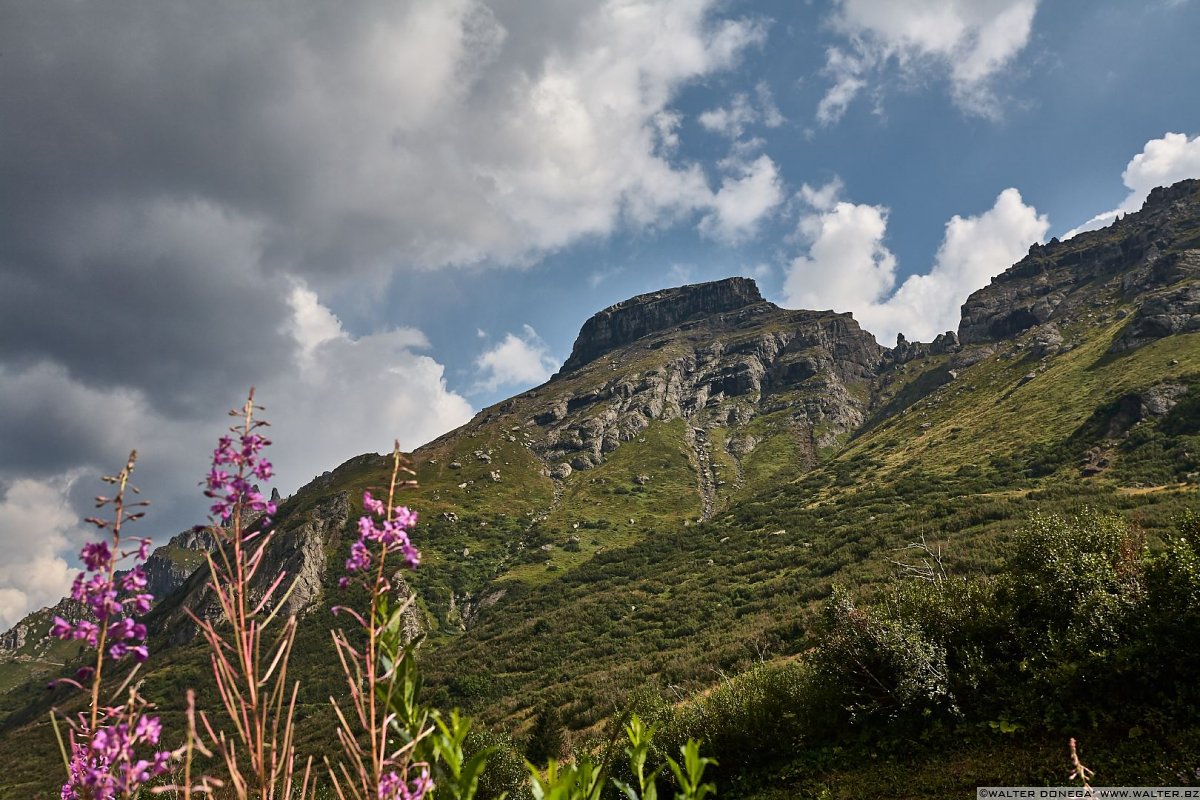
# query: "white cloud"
[[666, 124], [311, 324], [1164, 161], [743, 112], [349, 395], [769, 112], [747, 196], [523, 361], [36, 526], [383, 133], [730, 121], [970, 42], [822, 198], [681, 274], [846, 71], [848, 267]]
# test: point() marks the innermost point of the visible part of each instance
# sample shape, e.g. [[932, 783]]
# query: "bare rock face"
[[906, 351], [412, 626], [1132, 261], [298, 552], [1171, 312], [1047, 341], [169, 567], [740, 361], [632, 319], [1154, 402]]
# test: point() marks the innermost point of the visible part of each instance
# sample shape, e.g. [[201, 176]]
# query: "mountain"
[[27, 650], [673, 506]]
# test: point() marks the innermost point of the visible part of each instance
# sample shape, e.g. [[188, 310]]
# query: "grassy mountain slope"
[[672, 508]]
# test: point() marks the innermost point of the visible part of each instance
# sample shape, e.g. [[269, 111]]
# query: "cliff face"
[[169, 567], [640, 316], [734, 367], [1150, 259], [297, 549]]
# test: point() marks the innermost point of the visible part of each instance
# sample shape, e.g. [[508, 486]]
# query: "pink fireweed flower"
[[252, 443], [141, 602], [88, 631], [95, 556], [134, 580], [367, 531], [393, 787], [106, 766], [263, 470], [216, 478], [404, 517], [149, 729], [391, 534], [229, 490], [224, 453], [103, 763], [360, 558], [376, 507]]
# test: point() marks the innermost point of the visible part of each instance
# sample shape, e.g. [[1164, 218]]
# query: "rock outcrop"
[[803, 359], [639, 316], [169, 566], [1171, 312], [1150, 259], [297, 551]]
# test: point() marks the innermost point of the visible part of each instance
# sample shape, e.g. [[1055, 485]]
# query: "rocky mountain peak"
[[1128, 265], [1161, 196], [639, 316]]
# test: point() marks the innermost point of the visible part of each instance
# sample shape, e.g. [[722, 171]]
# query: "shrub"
[[880, 667]]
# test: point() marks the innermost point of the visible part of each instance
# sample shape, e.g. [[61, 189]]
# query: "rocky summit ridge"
[[1150, 259], [648, 313]]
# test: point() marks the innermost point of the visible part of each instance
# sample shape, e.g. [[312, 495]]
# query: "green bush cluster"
[[1084, 628]]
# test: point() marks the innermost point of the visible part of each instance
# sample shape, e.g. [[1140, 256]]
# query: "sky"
[[388, 214]]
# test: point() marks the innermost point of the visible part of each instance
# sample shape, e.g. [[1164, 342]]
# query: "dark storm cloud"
[[165, 166], [186, 188]]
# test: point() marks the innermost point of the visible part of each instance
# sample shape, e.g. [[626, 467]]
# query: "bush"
[[880, 667]]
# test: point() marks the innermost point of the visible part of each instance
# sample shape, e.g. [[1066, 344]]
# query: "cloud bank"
[[968, 43], [517, 361], [189, 190], [848, 266]]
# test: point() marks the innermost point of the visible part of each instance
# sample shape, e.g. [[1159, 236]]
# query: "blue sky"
[[387, 215], [1090, 87]]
